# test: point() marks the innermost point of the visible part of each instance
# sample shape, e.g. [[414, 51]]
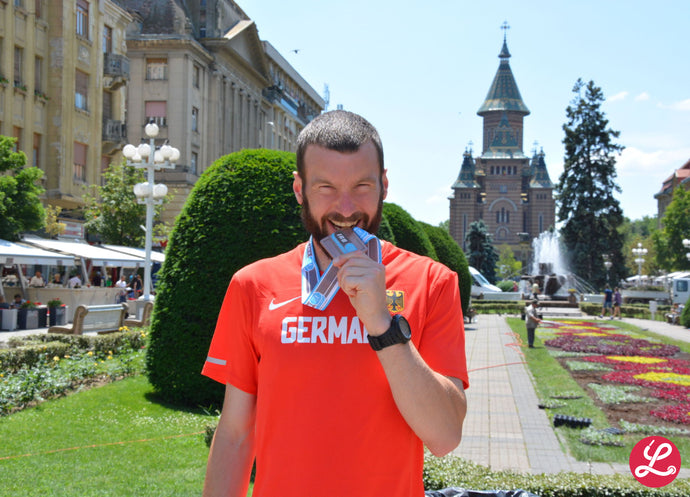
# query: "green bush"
[[241, 209], [685, 315], [506, 285], [498, 307], [450, 254], [409, 235]]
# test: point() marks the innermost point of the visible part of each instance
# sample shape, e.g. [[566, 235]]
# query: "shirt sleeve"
[[232, 356]]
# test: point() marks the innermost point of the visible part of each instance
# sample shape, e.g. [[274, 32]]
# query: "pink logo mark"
[[655, 461]]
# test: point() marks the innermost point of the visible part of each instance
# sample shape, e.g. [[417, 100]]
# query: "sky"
[[419, 71]]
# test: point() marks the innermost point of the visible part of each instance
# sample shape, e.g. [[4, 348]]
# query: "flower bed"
[[660, 371]]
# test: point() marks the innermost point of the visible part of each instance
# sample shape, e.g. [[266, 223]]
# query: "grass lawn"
[[551, 379], [115, 440]]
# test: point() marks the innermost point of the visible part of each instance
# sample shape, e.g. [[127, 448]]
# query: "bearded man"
[[338, 369]]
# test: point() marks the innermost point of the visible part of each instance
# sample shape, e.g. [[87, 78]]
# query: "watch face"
[[404, 327]]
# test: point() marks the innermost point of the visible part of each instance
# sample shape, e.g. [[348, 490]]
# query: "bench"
[[145, 317], [94, 318]]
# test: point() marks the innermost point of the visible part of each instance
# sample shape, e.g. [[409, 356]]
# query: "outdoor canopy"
[[15, 253], [137, 252], [98, 256]]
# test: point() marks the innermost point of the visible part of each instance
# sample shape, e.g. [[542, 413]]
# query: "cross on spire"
[[505, 27]]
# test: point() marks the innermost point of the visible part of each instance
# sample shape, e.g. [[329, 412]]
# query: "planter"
[[57, 315], [29, 319]]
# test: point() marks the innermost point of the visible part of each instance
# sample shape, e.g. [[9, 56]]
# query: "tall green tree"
[[112, 211], [508, 266], [676, 226], [20, 203], [585, 192], [481, 253]]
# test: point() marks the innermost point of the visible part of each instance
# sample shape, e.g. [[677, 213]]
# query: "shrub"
[[241, 209], [450, 254], [409, 235], [506, 285], [685, 315]]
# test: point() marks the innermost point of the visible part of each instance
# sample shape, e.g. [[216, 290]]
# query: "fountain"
[[549, 270]]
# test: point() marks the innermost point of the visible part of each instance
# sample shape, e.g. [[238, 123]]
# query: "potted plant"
[[57, 312], [27, 317]]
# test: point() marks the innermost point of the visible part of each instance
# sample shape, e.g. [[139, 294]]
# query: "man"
[[37, 280], [531, 322], [331, 396], [608, 302]]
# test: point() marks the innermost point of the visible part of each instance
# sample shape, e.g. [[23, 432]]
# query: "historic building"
[[81, 78], [200, 71], [63, 80], [511, 192], [680, 177]]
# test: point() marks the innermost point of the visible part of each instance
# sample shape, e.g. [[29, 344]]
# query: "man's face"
[[340, 190]]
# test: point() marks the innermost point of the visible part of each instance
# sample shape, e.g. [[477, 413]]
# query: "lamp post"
[[607, 265], [639, 252], [147, 156], [686, 244]]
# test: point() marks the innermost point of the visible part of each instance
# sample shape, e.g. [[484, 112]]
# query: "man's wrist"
[[380, 327]]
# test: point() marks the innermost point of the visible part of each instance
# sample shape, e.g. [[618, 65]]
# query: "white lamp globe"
[[174, 155], [144, 150], [158, 157], [137, 157], [151, 130], [166, 151], [142, 190], [159, 191], [129, 150]]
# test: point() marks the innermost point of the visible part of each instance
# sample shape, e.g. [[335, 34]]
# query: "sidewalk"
[[505, 429]]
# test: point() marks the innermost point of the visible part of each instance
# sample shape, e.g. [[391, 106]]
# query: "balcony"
[[114, 132], [115, 70]]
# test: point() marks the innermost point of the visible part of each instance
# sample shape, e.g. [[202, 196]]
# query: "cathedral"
[[509, 191]]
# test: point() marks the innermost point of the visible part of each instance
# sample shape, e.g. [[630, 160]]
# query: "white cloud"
[[683, 105], [440, 196], [657, 163], [618, 96], [642, 97]]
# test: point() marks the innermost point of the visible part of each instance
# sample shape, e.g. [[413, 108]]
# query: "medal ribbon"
[[318, 291]]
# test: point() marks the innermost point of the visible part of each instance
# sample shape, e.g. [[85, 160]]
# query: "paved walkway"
[[505, 429]]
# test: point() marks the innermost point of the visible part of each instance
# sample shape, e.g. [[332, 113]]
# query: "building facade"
[[63, 79], [680, 177], [201, 72], [511, 192]]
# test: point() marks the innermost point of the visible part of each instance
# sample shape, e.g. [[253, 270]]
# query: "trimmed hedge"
[[685, 315], [241, 209], [450, 254], [452, 471], [409, 235]]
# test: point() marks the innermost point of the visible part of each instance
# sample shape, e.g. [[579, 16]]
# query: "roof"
[[137, 252], [503, 94], [18, 253], [99, 256]]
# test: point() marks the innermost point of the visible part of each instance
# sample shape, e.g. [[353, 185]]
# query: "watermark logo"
[[655, 461]]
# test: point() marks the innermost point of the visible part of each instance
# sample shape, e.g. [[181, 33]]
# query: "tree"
[[676, 227], [585, 192], [481, 253], [112, 210], [508, 266], [408, 234], [240, 210], [20, 203], [450, 254], [53, 226]]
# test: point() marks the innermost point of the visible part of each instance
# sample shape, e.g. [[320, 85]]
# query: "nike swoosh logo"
[[272, 306]]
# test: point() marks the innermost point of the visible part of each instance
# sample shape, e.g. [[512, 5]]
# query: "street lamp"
[[607, 265], [639, 252], [150, 193], [686, 244]]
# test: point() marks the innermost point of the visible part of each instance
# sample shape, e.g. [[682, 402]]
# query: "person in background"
[[608, 302], [17, 302], [37, 280], [74, 281], [3, 304], [137, 286], [531, 322], [57, 280], [617, 301]]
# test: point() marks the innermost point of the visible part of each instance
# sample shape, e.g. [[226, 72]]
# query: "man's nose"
[[346, 205]]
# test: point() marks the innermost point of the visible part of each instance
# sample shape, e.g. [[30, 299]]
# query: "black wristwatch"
[[398, 332]]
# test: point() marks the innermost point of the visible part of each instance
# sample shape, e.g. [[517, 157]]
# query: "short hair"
[[535, 301], [338, 130]]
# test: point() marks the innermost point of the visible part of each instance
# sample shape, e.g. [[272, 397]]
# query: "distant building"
[[201, 72], [680, 177], [510, 192]]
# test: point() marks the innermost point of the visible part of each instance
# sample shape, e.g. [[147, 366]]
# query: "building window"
[[17, 134], [19, 4], [107, 39], [196, 76], [83, 19], [38, 74], [156, 69], [156, 111], [81, 90], [18, 66], [38, 8], [195, 119], [36, 156], [80, 151], [193, 163]]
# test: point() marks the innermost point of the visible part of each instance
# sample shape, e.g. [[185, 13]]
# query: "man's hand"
[[364, 282]]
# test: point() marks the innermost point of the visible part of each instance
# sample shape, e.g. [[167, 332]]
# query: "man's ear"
[[297, 187], [384, 183]]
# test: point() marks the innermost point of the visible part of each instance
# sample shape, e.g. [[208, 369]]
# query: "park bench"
[[145, 317], [94, 318]]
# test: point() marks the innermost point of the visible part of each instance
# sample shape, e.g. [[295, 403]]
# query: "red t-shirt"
[[326, 422]]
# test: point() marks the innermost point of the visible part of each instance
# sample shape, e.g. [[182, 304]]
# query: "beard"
[[319, 229]]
